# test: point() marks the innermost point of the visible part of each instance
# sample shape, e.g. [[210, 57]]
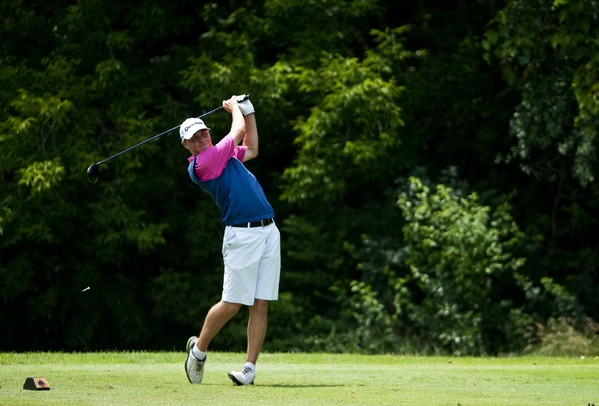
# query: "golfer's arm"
[[238, 128], [250, 142]]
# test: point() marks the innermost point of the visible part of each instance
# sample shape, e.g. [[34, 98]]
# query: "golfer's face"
[[200, 141]]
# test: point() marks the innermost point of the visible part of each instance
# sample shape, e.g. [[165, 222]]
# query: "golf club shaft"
[[154, 137]]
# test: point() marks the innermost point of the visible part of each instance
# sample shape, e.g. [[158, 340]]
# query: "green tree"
[[548, 54], [440, 288], [80, 89], [351, 96]]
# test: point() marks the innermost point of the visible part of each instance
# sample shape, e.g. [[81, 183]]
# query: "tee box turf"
[[40, 383]]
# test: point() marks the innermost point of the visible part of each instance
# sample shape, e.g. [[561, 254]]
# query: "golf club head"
[[93, 172]]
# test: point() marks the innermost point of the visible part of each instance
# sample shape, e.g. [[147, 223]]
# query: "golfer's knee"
[[260, 306], [229, 307]]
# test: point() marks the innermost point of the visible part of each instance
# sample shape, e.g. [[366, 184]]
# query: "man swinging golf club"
[[251, 242]]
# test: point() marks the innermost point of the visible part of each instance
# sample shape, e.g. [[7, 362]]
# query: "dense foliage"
[[433, 167]]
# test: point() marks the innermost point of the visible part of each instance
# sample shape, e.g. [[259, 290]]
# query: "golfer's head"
[[190, 127], [195, 135]]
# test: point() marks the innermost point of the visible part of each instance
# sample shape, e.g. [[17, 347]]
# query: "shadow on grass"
[[307, 385]]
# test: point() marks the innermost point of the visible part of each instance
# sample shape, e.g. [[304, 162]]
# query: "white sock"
[[197, 353], [250, 366]]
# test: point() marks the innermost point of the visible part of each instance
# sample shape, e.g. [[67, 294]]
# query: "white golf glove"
[[246, 105]]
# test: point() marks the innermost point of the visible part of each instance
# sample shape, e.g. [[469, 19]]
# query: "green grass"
[[299, 379]]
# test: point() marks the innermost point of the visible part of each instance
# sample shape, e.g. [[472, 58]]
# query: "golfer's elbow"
[[251, 152], [238, 135]]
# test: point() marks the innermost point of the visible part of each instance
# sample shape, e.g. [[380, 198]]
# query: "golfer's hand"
[[245, 105], [230, 104]]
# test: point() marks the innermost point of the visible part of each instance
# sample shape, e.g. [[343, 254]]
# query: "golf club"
[[93, 171]]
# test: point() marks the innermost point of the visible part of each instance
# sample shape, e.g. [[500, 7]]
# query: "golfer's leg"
[[257, 324], [216, 318]]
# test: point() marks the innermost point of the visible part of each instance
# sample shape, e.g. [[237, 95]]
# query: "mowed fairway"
[[299, 379]]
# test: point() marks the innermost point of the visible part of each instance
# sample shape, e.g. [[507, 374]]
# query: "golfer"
[[251, 242]]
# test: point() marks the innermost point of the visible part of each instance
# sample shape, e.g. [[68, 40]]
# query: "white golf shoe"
[[194, 368], [245, 377]]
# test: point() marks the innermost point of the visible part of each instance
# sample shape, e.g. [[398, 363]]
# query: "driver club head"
[[93, 172]]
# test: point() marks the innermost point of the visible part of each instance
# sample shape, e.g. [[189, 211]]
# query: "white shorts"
[[252, 258]]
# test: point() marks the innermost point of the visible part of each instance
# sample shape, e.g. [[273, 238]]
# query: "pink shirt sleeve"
[[211, 163]]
